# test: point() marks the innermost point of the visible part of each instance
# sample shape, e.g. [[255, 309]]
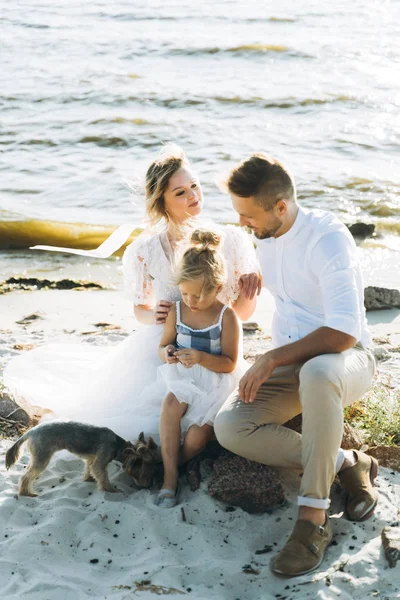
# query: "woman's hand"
[[161, 311], [189, 357], [169, 352], [249, 284]]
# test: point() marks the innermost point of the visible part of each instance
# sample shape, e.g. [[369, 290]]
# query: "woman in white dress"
[[101, 385]]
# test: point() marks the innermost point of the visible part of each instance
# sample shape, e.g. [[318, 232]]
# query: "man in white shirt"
[[320, 363]]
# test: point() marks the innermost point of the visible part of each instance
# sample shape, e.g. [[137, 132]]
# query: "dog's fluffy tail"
[[13, 452]]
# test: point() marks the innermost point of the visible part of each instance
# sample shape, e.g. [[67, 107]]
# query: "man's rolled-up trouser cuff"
[[323, 503]]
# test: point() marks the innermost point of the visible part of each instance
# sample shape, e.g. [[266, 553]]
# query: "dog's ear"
[[151, 444], [141, 437], [145, 454]]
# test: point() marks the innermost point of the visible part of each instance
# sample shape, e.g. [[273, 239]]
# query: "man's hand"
[[255, 376], [189, 357], [161, 311], [170, 357], [250, 284]]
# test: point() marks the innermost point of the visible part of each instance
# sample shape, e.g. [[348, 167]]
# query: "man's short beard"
[[267, 233], [263, 235]]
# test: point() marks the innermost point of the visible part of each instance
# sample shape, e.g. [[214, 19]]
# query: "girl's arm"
[[219, 363], [168, 338]]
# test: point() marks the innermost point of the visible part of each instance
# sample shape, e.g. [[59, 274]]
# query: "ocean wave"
[[381, 208], [279, 20], [27, 24], [244, 49], [345, 142], [286, 102], [181, 17], [100, 140], [153, 98], [121, 120], [32, 142], [25, 233], [388, 226], [259, 48], [251, 101]]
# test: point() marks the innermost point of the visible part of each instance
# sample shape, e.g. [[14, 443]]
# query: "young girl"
[[199, 345]]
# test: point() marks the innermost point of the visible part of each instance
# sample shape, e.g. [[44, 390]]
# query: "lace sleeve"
[[240, 258], [138, 283]]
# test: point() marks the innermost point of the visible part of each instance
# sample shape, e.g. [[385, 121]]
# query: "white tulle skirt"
[[203, 390], [119, 387]]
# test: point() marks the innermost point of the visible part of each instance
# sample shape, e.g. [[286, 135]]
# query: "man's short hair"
[[262, 177]]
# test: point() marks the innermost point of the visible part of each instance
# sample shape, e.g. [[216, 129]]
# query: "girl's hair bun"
[[205, 239], [203, 259]]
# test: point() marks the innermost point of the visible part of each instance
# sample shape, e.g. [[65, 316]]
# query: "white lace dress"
[[101, 385]]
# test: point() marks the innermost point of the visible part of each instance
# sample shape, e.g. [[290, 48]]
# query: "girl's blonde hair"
[[203, 259], [170, 160]]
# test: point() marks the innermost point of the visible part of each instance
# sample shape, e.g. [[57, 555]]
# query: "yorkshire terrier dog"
[[142, 461], [98, 446]]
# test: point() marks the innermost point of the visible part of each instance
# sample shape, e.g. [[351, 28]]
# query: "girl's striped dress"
[[203, 390]]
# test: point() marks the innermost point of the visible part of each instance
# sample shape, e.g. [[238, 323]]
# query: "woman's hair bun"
[[205, 238]]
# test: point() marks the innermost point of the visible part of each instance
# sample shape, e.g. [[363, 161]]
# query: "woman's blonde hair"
[[203, 259], [170, 160]]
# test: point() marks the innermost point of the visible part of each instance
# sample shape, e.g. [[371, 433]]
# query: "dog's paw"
[[89, 479], [112, 490]]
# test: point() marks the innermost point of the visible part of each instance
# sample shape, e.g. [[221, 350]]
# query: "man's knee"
[[322, 371], [226, 429]]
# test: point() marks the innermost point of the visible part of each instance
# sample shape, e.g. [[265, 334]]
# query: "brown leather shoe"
[[358, 481], [304, 550]]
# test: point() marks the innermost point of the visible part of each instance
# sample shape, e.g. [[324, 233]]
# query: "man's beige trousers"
[[318, 388]]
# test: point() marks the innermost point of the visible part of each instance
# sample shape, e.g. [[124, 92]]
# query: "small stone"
[[29, 319], [23, 347], [251, 326], [362, 230], [193, 475], [107, 326], [351, 438], [391, 544], [11, 411], [265, 550], [381, 353], [377, 298]]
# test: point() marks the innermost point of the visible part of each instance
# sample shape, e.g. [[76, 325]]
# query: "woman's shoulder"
[[144, 244], [235, 234]]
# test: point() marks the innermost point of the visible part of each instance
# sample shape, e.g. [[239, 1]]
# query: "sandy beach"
[[76, 543]]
